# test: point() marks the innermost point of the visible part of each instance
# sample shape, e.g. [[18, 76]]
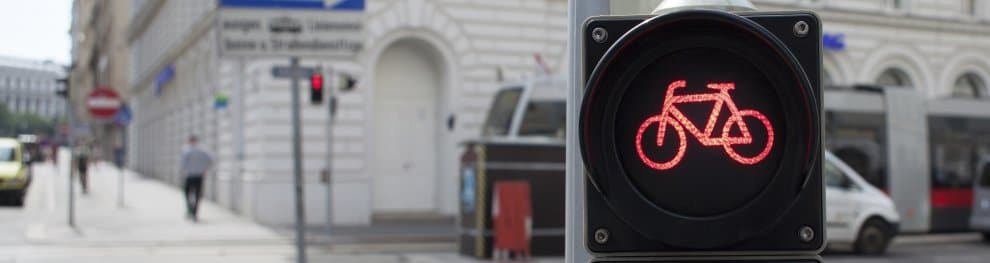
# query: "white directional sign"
[[286, 72], [280, 28]]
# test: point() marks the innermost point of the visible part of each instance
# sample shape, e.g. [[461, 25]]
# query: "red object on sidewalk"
[[513, 216]]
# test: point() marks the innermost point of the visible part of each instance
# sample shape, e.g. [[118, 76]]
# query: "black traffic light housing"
[[316, 87], [623, 216], [62, 91]]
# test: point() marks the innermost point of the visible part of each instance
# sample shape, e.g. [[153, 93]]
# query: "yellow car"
[[14, 172]]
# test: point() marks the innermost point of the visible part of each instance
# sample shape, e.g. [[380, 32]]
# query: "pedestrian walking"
[[82, 165], [194, 164]]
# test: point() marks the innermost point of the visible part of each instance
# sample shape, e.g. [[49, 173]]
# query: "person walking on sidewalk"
[[194, 164], [82, 165]]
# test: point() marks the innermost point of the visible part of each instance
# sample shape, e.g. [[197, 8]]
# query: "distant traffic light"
[[316, 88], [62, 91], [700, 132]]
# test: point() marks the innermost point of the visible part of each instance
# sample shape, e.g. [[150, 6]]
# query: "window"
[[968, 85], [985, 175], [972, 8], [953, 163], [898, 4], [894, 77], [544, 118], [500, 114], [834, 177], [6, 154]]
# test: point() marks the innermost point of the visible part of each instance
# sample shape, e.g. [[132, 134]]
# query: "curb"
[[936, 239]]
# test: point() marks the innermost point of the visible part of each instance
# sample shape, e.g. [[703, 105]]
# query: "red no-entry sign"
[[103, 103]]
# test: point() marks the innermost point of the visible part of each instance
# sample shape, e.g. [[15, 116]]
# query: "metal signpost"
[[294, 72], [299, 28], [331, 107], [70, 116], [122, 119], [574, 249]]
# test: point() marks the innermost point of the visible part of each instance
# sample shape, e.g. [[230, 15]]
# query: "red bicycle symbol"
[[672, 116]]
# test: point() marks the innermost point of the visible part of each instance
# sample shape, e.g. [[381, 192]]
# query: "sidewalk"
[[152, 227], [153, 213]]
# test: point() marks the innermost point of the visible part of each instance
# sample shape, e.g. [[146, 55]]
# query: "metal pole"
[[70, 116], [331, 107], [120, 166], [236, 185], [574, 249], [297, 164]]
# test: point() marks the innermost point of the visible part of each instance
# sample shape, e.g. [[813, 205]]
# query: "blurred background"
[[430, 108]]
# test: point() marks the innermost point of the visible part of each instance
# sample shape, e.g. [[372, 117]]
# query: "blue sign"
[[219, 101], [834, 41], [124, 116], [163, 77], [352, 5], [467, 189]]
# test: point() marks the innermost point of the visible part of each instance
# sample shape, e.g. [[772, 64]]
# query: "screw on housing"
[[601, 236], [806, 234], [599, 35], [801, 29]]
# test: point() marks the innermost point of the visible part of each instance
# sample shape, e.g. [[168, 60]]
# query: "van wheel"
[[986, 237], [873, 238]]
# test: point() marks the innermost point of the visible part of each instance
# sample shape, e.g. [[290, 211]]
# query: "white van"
[[856, 213]]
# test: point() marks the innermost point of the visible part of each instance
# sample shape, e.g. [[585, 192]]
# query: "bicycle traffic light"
[[701, 134], [316, 88]]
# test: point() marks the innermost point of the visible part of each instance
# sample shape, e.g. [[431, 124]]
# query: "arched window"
[[969, 85], [894, 77]]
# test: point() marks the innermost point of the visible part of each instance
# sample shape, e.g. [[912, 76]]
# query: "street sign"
[[123, 116], [296, 4], [700, 133], [280, 28], [286, 72], [103, 103]]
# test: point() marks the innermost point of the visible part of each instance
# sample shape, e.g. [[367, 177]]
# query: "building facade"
[[935, 46], [100, 58], [29, 87], [425, 75]]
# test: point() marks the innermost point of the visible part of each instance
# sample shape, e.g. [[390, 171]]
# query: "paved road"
[[968, 251]]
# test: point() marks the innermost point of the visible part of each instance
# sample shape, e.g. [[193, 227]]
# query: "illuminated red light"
[[672, 116], [316, 81]]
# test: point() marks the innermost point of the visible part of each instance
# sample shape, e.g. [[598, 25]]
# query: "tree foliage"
[[14, 123]]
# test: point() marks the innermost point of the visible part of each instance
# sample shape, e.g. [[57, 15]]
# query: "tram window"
[[985, 175], [953, 165], [500, 114], [544, 118]]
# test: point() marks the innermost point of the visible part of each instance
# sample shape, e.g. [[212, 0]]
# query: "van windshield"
[[544, 118], [500, 114], [6, 154]]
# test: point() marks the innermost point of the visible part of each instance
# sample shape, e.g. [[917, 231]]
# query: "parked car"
[[856, 212], [14, 172]]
